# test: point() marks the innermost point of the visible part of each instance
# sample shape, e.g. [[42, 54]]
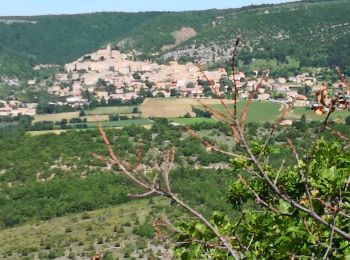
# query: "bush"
[[347, 120], [85, 215], [68, 230], [146, 230]]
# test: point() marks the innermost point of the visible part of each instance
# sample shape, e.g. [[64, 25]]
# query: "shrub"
[[68, 230], [347, 120], [146, 230]]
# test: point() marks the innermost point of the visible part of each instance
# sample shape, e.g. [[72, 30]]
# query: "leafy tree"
[[347, 120], [174, 93], [160, 95], [82, 113], [135, 110]]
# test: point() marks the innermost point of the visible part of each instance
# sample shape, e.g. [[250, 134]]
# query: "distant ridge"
[[314, 32]]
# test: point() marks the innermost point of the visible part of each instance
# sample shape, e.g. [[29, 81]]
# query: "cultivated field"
[[111, 110], [258, 111], [338, 115], [172, 107], [122, 123], [191, 121], [44, 132], [55, 117], [69, 115]]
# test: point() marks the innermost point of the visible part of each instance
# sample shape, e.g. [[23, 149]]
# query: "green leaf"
[[283, 206]]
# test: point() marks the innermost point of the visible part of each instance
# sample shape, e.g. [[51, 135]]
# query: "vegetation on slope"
[[38, 182], [47, 176], [14, 68], [315, 33]]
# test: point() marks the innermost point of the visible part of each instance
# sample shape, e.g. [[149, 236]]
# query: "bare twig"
[[281, 117], [257, 197], [279, 172], [330, 241], [166, 192], [294, 150], [250, 242], [215, 90], [213, 147], [256, 90], [233, 66], [311, 234], [338, 134]]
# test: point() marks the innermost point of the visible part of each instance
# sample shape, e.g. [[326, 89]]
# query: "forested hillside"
[[58, 39], [316, 33], [13, 73], [14, 68]]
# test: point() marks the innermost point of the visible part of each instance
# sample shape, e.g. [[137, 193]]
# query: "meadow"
[[192, 120], [172, 107], [338, 115], [258, 111], [121, 123], [111, 110], [55, 117]]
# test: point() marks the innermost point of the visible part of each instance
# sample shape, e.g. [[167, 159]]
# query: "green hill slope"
[[14, 68], [59, 39], [314, 32], [13, 74], [113, 231]]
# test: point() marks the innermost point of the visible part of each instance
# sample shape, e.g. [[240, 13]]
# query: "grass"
[[191, 121], [339, 115], [118, 124], [258, 112], [55, 117], [111, 110], [101, 112], [140, 121], [80, 232], [69, 115], [56, 131], [172, 107]]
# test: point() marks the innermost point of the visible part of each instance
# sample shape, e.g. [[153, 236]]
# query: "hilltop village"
[[108, 76]]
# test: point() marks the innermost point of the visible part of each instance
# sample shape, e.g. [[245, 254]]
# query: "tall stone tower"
[[109, 50]]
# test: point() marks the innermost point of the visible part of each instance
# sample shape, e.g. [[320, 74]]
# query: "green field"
[[339, 115], [121, 123], [55, 131], [191, 121], [111, 110], [101, 112], [258, 112], [69, 115], [55, 117]]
